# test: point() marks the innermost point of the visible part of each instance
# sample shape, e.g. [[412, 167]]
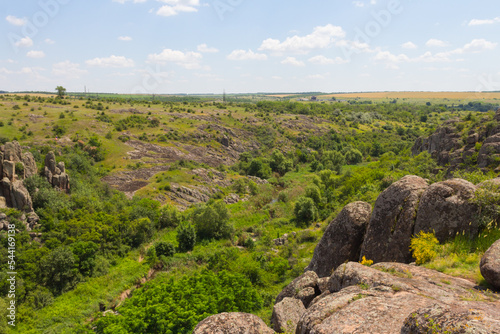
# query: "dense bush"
[[305, 211], [186, 237], [212, 221], [176, 306]]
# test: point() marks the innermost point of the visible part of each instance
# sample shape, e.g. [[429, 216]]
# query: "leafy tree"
[[186, 237], [260, 168], [85, 254], [169, 216], [59, 269], [164, 248], [61, 91], [212, 221], [353, 156], [279, 163], [333, 160], [305, 211], [313, 192]]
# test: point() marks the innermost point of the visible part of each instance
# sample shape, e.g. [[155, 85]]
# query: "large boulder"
[[490, 265], [489, 152], [305, 287], [447, 208], [232, 323], [286, 315], [440, 318], [392, 222], [342, 239], [440, 143], [382, 298], [13, 151]]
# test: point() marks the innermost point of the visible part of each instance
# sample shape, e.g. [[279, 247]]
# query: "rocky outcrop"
[[385, 297], [342, 239], [232, 323], [305, 288], [12, 191], [392, 222], [447, 209], [286, 315], [490, 265], [55, 173], [440, 143], [489, 152]]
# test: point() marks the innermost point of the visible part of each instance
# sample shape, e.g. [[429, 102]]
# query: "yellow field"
[[418, 95]]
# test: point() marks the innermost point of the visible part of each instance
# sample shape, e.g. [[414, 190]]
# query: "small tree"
[[164, 248], [61, 91], [305, 211], [212, 221], [186, 237]]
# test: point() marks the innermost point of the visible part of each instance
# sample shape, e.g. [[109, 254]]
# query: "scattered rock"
[[447, 209], [286, 315], [232, 323], [392, 222], [342, 239], [490, 265], [489, 151]]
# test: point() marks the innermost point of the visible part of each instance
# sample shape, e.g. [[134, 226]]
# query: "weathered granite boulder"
[[342, 239], [490, 265], [392, 222], [447, 208], [444, 140], [440, 318], [305, 287], [489, 152], [29, 162], [286, 315], [381, 299], [232, 323]]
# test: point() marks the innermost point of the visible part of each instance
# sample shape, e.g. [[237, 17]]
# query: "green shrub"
[[186, 237], [305, 211], [423, 246], [164, 248], [169, 216], [212, 221]]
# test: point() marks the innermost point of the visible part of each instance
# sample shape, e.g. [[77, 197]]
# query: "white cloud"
[[35, 54], [477, 22], [322, 60], [478, 45], [437, 43], [49, 41], [358, 3], [293, 61], [321, 37], [16, 20], [246, 55], [125, 38], [135, 1], [205, 49], [67, 69], [112, 61], [189, 60], [373, 2], [174, 7], [25, 42], [409, 45]]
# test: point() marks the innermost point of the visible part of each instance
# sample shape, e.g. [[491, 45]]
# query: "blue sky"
[[246, 46]]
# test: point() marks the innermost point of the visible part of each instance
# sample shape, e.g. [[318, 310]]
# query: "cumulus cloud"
[[437, 43], [246, 55], [322, 37], [205, 49], [67, 69], [409, 45], [125, 38], [16, 20], [358, 3], [49, 41], [292, 61], [25, 42], [322, 60], [174, 7], [189, 60], [112, 61], [35, 54], [478, 22]]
